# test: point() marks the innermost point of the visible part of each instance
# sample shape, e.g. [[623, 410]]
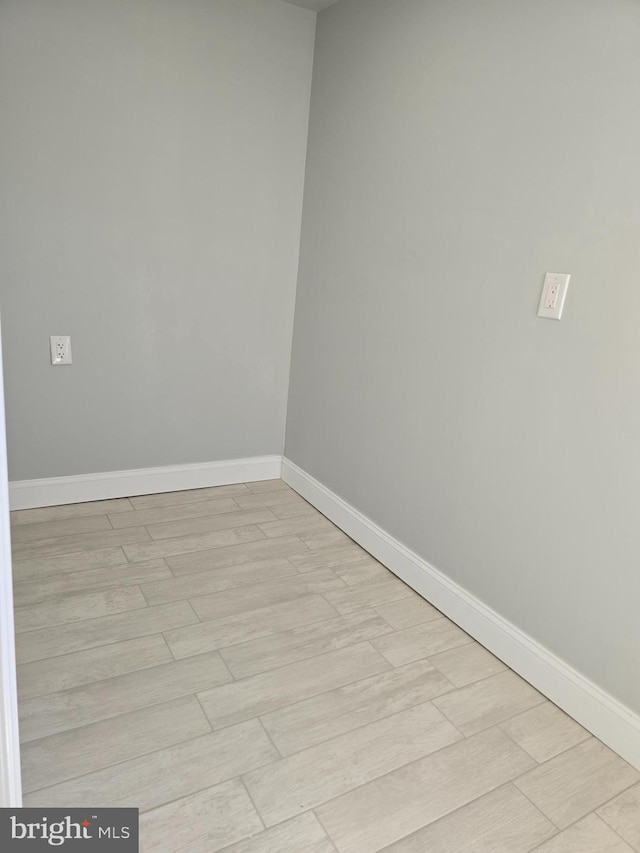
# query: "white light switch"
[[554, 292], [60, 349]]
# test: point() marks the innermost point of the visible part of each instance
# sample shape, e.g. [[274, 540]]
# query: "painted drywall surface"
[[152, 166], [457, 152]]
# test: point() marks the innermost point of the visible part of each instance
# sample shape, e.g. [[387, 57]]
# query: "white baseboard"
[[601, 714], [26, 494]]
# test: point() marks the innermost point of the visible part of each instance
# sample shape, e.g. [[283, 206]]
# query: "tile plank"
[[302, 643], [502, 821], [162, 499], [37, 568], [302, 833], [623, 815], [159, 515], [241, 627], [51, 760], [488, 702], [281, 497], [49, 529], [408, 612], [330, 558], [221, 604], [79, 706], [60, 545], [216, 580], [235, 555], [162, 776], [75, 636], [37, 592], [338, 711], [152, 550], [232, 703], [202, 822], [74, 608], [421, 641], [382, 812], [589, 835], [466, 664], [544, 732], [299, 782], [356, 598], [293, 510], [369, 571], [62, 673], [269, 486], [574, 783], [296, 526], [208, 523], [59, 513], [321, 539]]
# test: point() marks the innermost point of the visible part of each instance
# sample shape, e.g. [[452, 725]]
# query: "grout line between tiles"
[[324, 828], [193, 610], [529, 800], [624, 790], [225, 665], [271, 740], [605, 821], [204, 713], [255, 807], [143, 595], [164, 640]]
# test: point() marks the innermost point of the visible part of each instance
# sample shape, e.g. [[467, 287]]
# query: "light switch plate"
[[554, 293], [60, 349]]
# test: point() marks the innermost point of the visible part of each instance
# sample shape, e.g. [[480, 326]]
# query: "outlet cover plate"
[[60, 349], [554, 293]]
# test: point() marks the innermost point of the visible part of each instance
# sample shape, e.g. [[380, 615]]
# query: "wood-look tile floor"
[[232, 664]]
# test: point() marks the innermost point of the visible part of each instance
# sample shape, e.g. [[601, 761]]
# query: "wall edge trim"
[[54, 491]]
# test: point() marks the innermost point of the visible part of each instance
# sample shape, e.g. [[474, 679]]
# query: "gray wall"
[[151, 165], [458, 150]]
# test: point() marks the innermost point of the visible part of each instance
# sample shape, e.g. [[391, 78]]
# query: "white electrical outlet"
[[60, 349], [554, 293]]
